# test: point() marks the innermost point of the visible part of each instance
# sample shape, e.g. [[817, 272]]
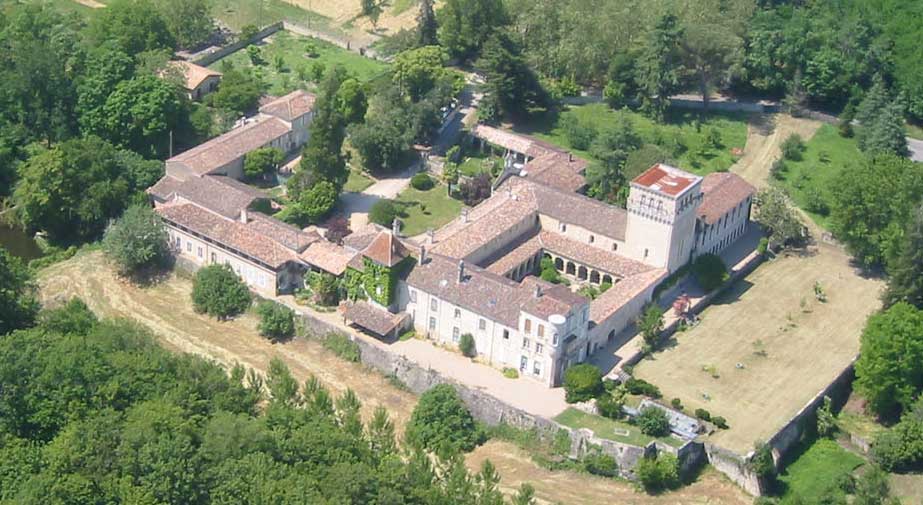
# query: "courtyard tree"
[[311, 206], [383, 140], [239, 91], [889, 372], [651, 325], [18, 303], [277, 322], [582, 383], [778, 219], [262, 162], [467, 346], [71, 190], [136, 241], [653, 422], [383, 212], [218, 291], [441, 422], [322, 158]]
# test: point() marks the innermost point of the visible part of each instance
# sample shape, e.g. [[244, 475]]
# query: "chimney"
[[243, 215], [461, 271], [422, 254], [396, 227], [538, 291]]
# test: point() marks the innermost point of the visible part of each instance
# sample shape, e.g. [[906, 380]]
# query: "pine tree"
[[906, 283], [426, 24], [658, 66], [881, 117]]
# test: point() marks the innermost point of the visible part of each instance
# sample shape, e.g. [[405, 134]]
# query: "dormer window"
[[563, 227], [592, 238]]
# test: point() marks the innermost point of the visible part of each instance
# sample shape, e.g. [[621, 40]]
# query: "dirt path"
[[166, 309], [765, 135], [93, 4]]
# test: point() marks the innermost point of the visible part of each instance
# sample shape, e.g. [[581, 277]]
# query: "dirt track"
[[765, 134]]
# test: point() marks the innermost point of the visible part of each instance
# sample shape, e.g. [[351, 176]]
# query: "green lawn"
[[476, 164], [682, 136], [357, 181], [609, 429], [422, 210], [827, 154], [298, 69], [239, 13], [816, 469]]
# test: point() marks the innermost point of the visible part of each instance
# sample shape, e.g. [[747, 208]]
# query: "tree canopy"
[[18, 304], [217, 290], [441, 422], [889, 372], [137, 240]]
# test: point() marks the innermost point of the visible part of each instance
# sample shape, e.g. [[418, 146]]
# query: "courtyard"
[[764, 348]]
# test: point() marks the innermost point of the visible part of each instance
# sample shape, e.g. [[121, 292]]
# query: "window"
[[523, 363], [554, 339], [433, 304], [592, 238], [457, 313], [525, 343], [214, 258], [482, 325], [188, 246], [615, 247], [413, 296], [539, 348], [432, 324], [456, 333], [200, 252], [537, 368], [541, 330], [645, 253], [563, 227], [528, 326], [179, 243], [506, 334]]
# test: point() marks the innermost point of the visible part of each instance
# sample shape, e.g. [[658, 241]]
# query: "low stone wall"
[[735, 467], [211, 57]]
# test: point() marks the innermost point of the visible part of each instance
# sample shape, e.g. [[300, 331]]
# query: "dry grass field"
[[766, 347], [346, 15], [167, 310]]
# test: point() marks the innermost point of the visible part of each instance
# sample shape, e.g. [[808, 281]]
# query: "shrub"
[[218, 291], [720, 422], [609, 406], [277, 322], [466, 345], [407, 335], [598, 463], [642, 387], [337, 229], [658, 474], [762, 463], [476, 190], [651, 324], [826, 420], [510, 373], [384, 212], [422, 182], [579, 134], [793, 148], [342, 346], [778, 169], [763, 245], [137, 240], [441, 422], [677, 403], [653, 422], [709, 271], [582, 382], [703, 414]]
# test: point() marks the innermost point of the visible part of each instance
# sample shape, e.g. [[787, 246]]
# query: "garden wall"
[[213, 56], [491, 411]]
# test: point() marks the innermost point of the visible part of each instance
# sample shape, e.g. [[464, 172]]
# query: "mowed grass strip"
[[421, 210], [609, 428], [817, 469], [688, 127]]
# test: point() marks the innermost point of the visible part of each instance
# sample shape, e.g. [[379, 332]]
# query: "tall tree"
[[18, 305], [465, 25], [140, 114], [136, 26], [137, 240], [905, 283], [658, 66], [189, 21], [426, 24], [710, 52], [510, 81], [778, 218], [106, 66]]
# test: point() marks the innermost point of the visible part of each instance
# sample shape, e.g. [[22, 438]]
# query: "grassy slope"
[[678, 124], [817, 468], [440, 209], [826, 156], [239, 13], [292, 50], [357, 181], [609, 428]]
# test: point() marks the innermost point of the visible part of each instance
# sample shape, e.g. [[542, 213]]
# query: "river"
[[18, 243]]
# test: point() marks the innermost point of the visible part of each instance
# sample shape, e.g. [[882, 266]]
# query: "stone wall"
[[208, 58], [734, 466], [491, 411]]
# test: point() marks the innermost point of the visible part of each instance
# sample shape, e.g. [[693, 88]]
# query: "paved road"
[[916, 149]]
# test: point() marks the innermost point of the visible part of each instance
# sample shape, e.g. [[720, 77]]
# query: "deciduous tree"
[[906, 270], [440, 421], [217, 290], [137, 240], [18, 304]]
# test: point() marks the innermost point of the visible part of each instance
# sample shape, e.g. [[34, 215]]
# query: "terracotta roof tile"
[[601, 259], [666, 179], [622, 292], [378, 321], [289, 236], [193, 74], [524, 144], [386, 249], [220, 194], [328, 256], [222, 150], [291, 106], [558, 170], [722, 191]]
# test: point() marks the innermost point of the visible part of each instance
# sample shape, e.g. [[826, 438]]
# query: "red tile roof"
[[220, 194], [386, 249], [558, 170], [722, 191], [291, 106], [666, 179], [374, 319], [193, 75], [328, 256], [220, 151]]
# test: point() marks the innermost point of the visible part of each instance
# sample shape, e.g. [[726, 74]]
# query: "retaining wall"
[[213, 56]]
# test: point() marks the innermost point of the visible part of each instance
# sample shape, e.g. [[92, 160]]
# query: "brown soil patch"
[[765, 134]]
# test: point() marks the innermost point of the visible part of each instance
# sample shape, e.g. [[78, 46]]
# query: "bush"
[[384, 212], [778, 169], [510, 373], [579, 134], [137, 240], [277, 322], [598, 463], [642, 387], [609, 406], [703, 414], [466, 345], [440, 422], [793, 148], [676, 403], [658, 474], [342, 346], [720, 422], [422, 182], [763, 245], [651, 324], [709, 271], [582, 382], [762, 463], [218, 291], [653, 422]]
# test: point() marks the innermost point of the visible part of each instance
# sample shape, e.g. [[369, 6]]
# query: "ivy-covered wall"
[[376, 282]]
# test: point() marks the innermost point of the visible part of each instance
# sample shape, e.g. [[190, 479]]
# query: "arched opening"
[[594, 277], [571, 268], [607, 279], [558, 264], [611, 336], [582, 273]]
